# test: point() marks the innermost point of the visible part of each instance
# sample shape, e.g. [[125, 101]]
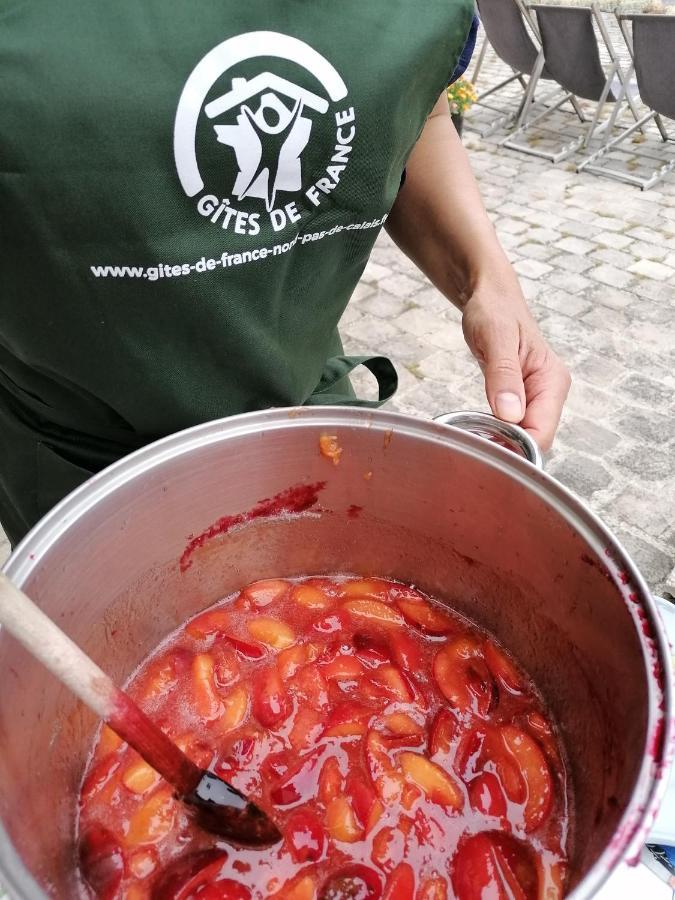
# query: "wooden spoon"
[[216, 806]]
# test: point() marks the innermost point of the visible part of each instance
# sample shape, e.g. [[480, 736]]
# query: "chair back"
[[506, 31], [571, 49], [654, 49]]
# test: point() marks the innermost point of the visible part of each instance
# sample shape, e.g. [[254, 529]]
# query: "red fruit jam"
[[402, 753]]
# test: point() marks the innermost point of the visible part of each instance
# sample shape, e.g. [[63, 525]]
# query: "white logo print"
[[262, 175], [267, 122]]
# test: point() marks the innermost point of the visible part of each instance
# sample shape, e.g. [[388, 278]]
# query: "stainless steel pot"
[[170, 529]]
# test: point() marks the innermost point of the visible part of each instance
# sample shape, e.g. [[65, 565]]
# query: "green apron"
[[187, 202]]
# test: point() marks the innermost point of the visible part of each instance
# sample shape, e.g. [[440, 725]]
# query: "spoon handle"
[[63, 658], [45, 641]]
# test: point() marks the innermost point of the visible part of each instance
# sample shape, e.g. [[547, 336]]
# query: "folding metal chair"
[[505, 30], [652, 49], [571, 55]]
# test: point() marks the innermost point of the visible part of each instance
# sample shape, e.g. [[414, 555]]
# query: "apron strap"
[[338, 367]]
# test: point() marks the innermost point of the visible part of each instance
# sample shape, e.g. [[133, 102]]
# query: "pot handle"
[[489, 427]]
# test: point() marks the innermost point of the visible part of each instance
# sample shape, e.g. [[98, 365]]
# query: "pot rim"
[[650, 784]]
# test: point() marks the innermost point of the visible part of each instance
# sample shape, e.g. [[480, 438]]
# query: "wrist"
[[497, 296], [488, 273]]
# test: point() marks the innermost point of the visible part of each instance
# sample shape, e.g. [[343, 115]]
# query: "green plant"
[[461, 96]]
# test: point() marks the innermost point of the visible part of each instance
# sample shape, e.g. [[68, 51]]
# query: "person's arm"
[[439, 221]]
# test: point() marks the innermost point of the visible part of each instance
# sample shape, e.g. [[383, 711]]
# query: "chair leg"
[[577, 109], [479, 61], [503, 119], [528, 99], [555, 157], [618, 103], [542, 115], [623, 27], [599, 107], [643, 183], [631, 103], [659, 175], [515, 77], [610, 145], [661, 127], [623, 81]]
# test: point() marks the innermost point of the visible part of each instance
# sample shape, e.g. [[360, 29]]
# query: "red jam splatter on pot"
[[401, 751], [293, 500]]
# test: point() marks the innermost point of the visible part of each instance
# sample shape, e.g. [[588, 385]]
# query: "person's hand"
[[525, 382]]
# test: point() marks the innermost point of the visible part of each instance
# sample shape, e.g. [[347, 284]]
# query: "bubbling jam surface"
[[402, 753]]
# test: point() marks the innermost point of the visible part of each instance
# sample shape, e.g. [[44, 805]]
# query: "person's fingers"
[[546, 390], [525, 382], [503, 374]]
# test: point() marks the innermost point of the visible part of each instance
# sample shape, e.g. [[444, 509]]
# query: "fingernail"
[[509, 406]]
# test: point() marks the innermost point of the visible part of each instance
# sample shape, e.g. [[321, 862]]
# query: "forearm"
[[439, 220]]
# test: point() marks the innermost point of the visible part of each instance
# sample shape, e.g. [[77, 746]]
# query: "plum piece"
[[204, 695], [303, 887], [365, 803], [271, 632], [419, 612], [99, 776], [406, 652], [435, 782], [292, 659], [330, 781], [341, 821], [139, 777], [343, 668], [463, 677], [262, 593], [480, 869], [154, 819], [311, 597], [300, 781], [367, 588], [355, 882], [332, 623], [434, 889], [393, 682], [443, 733], [535, 772], [226, 668], [400, 883], [247, 649], [213, 621], [271, 703], [225, 889], [235, 708], [311, 687], [486, 795], [503, 670], [330, 448], [101, 861], [305, 836], [374, 611], [348, 720]]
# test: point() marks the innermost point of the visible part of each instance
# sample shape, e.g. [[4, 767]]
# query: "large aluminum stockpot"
[[177, 525]]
